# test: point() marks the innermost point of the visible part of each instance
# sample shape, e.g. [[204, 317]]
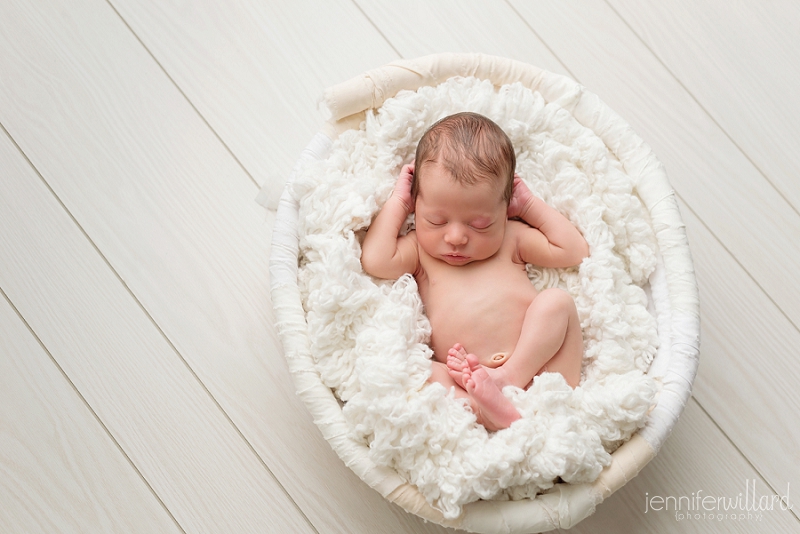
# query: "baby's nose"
[[455, 236]]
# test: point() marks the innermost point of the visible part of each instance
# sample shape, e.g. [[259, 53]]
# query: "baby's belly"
[[486, 320]]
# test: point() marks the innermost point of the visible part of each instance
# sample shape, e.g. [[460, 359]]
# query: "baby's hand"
[[402, 189], [521, 199]]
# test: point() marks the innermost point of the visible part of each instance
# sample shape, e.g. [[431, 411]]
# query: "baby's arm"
[[384, 254], [552, 241]]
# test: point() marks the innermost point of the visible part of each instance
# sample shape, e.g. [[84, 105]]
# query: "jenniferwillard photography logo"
[[699, 506]]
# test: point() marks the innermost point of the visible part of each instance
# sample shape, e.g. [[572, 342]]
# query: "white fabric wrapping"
[[285, 248], [673, 289]]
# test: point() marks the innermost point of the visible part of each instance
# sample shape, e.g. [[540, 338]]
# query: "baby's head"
[[462, 184], [471, 149]]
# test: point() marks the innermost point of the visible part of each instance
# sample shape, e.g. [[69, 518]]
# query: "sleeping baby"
[[477, 226]]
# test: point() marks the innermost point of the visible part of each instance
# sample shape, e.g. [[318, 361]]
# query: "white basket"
[[673, 290]]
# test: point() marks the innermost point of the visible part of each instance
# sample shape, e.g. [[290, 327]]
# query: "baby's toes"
[[458, 351], [455, 363]]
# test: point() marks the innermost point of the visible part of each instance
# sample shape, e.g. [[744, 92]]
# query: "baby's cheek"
[[425, 240]]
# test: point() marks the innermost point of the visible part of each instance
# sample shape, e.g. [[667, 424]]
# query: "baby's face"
[[457, 223]]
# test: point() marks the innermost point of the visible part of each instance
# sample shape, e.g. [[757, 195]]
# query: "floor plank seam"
[[377, 29], [184, 95], [736, 260], [704, 109], [742, 454], [155, 324], [91, 410], [541, 40]]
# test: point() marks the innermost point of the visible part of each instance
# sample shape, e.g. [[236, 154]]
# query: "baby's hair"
[[471, 148]]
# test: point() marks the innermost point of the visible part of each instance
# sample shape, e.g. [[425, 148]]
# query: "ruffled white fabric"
[[368, 337]]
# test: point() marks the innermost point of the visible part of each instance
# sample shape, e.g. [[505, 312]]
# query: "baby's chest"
[[474, 288]]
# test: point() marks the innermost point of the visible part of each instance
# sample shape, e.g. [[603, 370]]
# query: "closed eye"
[[481, 223]]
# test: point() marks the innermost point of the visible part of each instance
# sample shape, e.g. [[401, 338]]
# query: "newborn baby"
[[477, 225]]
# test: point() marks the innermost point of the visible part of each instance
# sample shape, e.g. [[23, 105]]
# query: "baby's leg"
[[550, 341]]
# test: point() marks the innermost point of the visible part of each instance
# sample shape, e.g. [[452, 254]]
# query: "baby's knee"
[[557, 300]]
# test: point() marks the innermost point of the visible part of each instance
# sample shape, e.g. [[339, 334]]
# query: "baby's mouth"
[[458, 258]]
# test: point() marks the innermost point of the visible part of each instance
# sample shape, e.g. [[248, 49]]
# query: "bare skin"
[[468, 259], [494, 410]]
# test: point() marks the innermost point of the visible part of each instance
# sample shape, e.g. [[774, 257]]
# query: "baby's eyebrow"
[[437, 214]]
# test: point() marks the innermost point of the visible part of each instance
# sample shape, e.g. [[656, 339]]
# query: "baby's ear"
[[414, 186]]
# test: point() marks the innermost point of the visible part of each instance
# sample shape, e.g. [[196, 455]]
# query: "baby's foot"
[[456, 363], [495, 411]]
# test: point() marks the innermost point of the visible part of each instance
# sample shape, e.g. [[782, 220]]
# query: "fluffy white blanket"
[[369, 337]]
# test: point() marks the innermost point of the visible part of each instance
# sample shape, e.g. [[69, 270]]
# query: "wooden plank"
[[740, 61], [697, 459], [128, 373], [748, 375], [172, 211], [255, 70], [61, 471], [418, 28], [740, 207]]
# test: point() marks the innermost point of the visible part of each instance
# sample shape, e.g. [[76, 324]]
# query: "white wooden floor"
[[142, 386]]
